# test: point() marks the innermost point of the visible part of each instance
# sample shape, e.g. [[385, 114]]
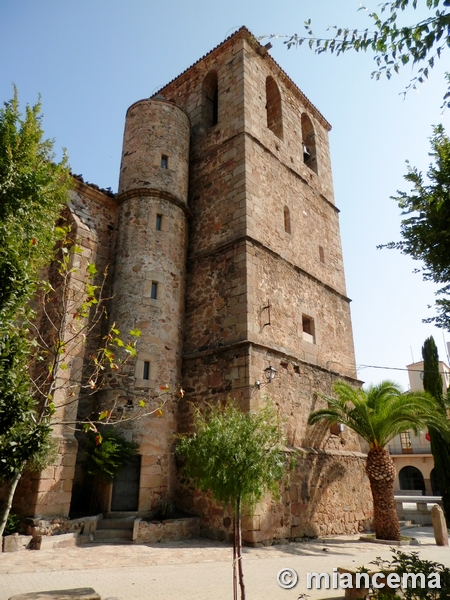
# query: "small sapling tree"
[[238, 457]]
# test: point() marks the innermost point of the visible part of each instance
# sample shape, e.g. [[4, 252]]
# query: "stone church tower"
[[225, 245]]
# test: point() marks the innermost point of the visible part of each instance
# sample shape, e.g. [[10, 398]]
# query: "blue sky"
[[91, 59]]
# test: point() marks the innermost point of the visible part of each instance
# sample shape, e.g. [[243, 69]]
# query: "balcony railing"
[[416, 449]]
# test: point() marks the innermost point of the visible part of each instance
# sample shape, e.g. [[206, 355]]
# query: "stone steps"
[[115, 530], [124, 524]]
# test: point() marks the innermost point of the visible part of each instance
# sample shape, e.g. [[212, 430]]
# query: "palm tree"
[[378, 414]]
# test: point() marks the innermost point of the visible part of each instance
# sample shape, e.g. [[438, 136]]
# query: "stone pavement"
[[194, 569]]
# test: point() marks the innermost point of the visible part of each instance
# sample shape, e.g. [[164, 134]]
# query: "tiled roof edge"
[[251, 38], [107, 192]]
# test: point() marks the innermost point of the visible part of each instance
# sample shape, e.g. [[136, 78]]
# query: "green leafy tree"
[[238, 457], [440, 448], [393, 43], [425, 228], [33, 189], [378, 414]]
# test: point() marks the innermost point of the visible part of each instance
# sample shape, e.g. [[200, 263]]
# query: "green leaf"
[[91, 269]]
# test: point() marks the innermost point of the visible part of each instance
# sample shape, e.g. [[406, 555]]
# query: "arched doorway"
[[411, 479]]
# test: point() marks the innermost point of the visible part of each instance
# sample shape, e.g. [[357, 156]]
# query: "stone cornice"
[[285, 355], [293, 172], [154, 193], [214, 145], [247, 238]]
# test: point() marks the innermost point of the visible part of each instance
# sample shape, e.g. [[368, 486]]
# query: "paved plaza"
[[194, 569]]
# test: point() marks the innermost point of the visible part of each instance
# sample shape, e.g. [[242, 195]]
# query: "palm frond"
[[380, 412]]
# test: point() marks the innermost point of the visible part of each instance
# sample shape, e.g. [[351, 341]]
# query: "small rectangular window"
[[321, 254], [164, 161], [308, 329], [158, 222], [154, 293], [146, 373]]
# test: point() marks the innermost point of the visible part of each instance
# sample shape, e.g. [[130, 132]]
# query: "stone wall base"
[[327, 493], [170, 530]]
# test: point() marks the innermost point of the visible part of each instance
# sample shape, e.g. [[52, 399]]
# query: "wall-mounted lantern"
[[270, 374]]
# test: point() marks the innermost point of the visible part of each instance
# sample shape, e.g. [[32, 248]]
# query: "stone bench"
[[418, 511], [70, 594]]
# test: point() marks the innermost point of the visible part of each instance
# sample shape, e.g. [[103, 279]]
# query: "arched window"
[[309, 143], [411, 479], [273, 107], [287, 220], [210, 100]]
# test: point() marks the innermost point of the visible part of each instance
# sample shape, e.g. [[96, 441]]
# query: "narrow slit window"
[[273, 107], [210, 100], [164, 161], [321, 254], [154, 293], [158, 222], [146, 373], [287, 220]]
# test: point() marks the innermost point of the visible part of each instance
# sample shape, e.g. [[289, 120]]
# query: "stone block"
[[16, 542], [439, 526], [64, 540]]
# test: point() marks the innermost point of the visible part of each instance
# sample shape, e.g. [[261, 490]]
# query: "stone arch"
[[411, 478], [210, 99], [287, 220], [273, 107], [309, 143]]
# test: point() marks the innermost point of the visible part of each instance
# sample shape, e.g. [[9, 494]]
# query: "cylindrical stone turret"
[[149, 278], [155, 148]]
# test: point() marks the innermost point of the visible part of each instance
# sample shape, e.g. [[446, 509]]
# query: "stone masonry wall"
[[292, 293], [294, 103], [216, 300], [325, 494], [93, 223], [271, 186]]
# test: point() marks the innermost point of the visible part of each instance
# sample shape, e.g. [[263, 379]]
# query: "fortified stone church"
[[224, 249]]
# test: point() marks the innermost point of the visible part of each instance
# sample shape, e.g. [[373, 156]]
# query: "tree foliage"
[[378, 414], [440, 447], [410, 562], [105, 459], [236, 456], [33, 189], [393, 43], [425, 227]]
